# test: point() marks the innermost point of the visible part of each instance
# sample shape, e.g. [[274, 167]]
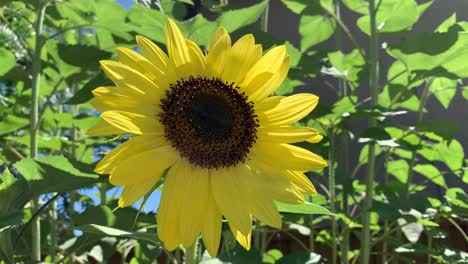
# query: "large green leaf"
[[11, 218], [315, 26], [56, 174], [12, 123], [443, 54], [85, 93], [305, 208], [296, 6], [7, 61], [399, 169], [113, 232], [392, 16], [444, 90], [431, 173], [82, 55]]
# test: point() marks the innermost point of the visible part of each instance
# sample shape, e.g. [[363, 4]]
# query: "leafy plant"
[[388, 155]]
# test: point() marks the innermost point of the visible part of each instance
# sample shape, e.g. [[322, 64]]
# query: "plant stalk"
[[343, 164], [264, 18], [374, 91], [191, 253], [36, 76], [332, 190]]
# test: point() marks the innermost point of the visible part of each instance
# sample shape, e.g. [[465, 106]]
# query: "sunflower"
[[209, 121]]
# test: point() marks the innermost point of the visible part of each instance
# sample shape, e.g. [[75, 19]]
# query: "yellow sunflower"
[[210, 120]]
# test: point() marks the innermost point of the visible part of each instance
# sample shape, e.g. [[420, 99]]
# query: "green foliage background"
[[407, 221]]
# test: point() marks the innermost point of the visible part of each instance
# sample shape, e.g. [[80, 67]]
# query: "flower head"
[[211, 122]]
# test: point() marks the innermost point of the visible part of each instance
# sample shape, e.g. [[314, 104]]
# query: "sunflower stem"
[[374, 91], [343, 164], [331, 174], [191, 253], [33, 128]]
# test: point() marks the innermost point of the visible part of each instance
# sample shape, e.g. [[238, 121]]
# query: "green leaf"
[[82, 55], [12, 123], [10, 219], [271, 256], [451, 153], [445, 128], [446, 24], [350, 66], [296, 6], [431, 173], [300, 257], [85, 93], [465, 92], [305, 208], [399, 169], [440, 54], [234, 19], [113, 232], [444, 90], [56, 174], [315, 26], [148, 22], [392, 16], [99, 215], [364, 155], [8, 61], [358, 6]]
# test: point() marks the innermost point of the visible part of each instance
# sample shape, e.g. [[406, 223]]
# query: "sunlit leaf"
[[305, 208]]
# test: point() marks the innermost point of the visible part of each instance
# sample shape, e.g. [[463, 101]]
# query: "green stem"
[[36, 76], [191, 253], [386, 223], [263, 241], [343, 164], [374, 91], [429, 249], [264, 18], [332, 191], [6, 247], [311, 226], [53, 230]]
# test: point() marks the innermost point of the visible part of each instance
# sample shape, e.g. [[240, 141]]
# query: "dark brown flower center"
[[209, 122]]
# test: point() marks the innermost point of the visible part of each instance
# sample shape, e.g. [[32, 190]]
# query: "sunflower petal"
[[219, 49], [270, 62], [265, 90], [102, 128], [242, 56], [289, 110], [132, 123], [225, 185], [124, 76], [211, 230], [299, 179], [286, 134], [176, 45], [125, 150], [243, 239], [292, 157], [153, 53], [169, 209], [119, 98], [194, 188], [134, 192], [138, 168], [197, 58]]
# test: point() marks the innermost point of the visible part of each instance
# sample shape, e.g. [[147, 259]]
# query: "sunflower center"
[[208, 121], [211, 116]]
